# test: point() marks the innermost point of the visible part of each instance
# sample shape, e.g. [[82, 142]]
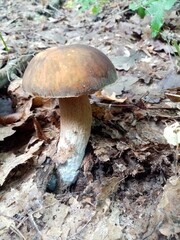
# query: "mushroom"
[[70, 73]]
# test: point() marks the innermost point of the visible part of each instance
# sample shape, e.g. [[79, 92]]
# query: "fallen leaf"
[[173, 97], [9, 160], [16, 202], [126, 62], [172, 134], [39, 132], [56, 212], [105, 226], [122, 84], [112, 97], [171, 81], [168, 209], [108, 187], [6, 131], [10, 118], [102, 148], [5, 224]]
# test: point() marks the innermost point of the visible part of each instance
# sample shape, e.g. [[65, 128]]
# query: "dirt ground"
[[129, 186]]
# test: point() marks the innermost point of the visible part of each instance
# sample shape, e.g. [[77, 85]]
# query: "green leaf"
[[168, 4], [175, 44], [156, 9], [134, 6], [157, 14], [156, 24], [94, 5], [141, 12], [147, 3], [95, 9]]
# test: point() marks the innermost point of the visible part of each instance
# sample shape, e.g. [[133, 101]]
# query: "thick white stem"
[[76, 119]]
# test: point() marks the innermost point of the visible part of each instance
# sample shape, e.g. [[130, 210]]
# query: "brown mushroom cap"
[[68, 71]]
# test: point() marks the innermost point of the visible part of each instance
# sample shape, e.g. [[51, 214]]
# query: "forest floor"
[[128, 187]]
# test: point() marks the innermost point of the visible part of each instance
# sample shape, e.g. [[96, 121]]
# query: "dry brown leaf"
[[128, 60], [15, 89], [39, 132], [105, 226], [37, 101], [168, 209], [10, 118], [173, 97], [113, 97], [171, 81], [46, 103], [109, 186], [55, 213], [16, 202], [22, 114], [102, 148], [9, 160], [64, 221]]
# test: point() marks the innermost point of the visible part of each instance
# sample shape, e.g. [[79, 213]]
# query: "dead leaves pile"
[[120, 185]]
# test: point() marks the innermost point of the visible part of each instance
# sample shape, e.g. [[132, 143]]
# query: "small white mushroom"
[[70, 73]]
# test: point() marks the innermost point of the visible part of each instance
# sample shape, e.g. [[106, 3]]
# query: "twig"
[[83, 227], [14, 228], [17, 232], [153, 230], [32, 221]]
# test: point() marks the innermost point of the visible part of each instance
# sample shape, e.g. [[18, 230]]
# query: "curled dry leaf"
[[173, 97], [10, 118], [47, 103], [113, 97], [9, 160], [14, 120], [39, 132]]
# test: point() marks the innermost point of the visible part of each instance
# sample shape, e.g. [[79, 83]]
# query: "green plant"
[[156, 9], [177, 49], [94, 5], [176, 46], [4, 43], [171, 39]]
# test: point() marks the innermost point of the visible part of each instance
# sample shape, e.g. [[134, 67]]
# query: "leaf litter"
[[128, 186]]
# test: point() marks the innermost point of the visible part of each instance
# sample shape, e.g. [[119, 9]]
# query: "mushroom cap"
[[68, 71]]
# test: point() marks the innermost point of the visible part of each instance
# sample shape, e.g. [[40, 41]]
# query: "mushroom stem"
[[76, 119]]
